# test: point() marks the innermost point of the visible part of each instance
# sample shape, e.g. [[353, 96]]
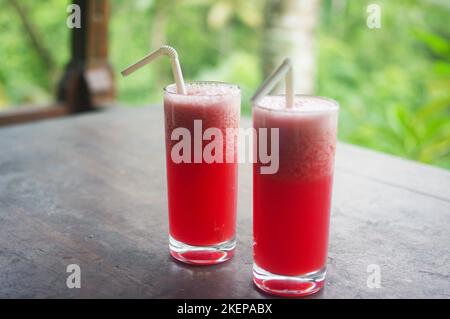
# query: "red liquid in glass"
[[202, 196], [292, 206]]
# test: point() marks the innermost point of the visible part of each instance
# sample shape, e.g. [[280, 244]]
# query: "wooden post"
[[88, 82]]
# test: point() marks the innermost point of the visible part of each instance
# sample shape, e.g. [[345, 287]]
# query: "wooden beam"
[[31, 114]]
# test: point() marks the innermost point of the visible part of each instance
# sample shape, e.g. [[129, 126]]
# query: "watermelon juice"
[[202, 194], [292, 206]]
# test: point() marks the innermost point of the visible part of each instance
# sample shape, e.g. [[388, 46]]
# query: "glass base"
[[289, 286], [201, 255]]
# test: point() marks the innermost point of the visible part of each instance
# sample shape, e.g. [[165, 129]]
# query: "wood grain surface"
[[91, 190]]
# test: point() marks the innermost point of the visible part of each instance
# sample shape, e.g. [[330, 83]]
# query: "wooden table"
[[91, 190]]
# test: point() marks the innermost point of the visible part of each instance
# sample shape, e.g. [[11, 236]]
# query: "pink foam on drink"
[[307, 133], [204, 93], [216, 104], [302, 103]]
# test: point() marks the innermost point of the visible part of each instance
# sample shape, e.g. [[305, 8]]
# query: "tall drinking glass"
[[202, 180], [292, 206]]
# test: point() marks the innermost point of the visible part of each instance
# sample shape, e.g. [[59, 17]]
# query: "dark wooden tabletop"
[[91, 190]]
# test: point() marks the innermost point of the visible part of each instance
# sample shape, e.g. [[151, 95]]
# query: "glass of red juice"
[[202, 192], [291, 208]]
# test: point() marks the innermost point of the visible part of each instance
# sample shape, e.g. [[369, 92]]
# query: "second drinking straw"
[[285, 69], [176, 68]]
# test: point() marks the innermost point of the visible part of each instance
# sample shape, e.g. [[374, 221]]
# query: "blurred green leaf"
[[435, 42]]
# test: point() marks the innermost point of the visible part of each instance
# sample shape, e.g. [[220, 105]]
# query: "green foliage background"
[[392, 83]]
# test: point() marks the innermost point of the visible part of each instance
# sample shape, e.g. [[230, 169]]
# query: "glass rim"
[[236, 86], [334, 105]]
